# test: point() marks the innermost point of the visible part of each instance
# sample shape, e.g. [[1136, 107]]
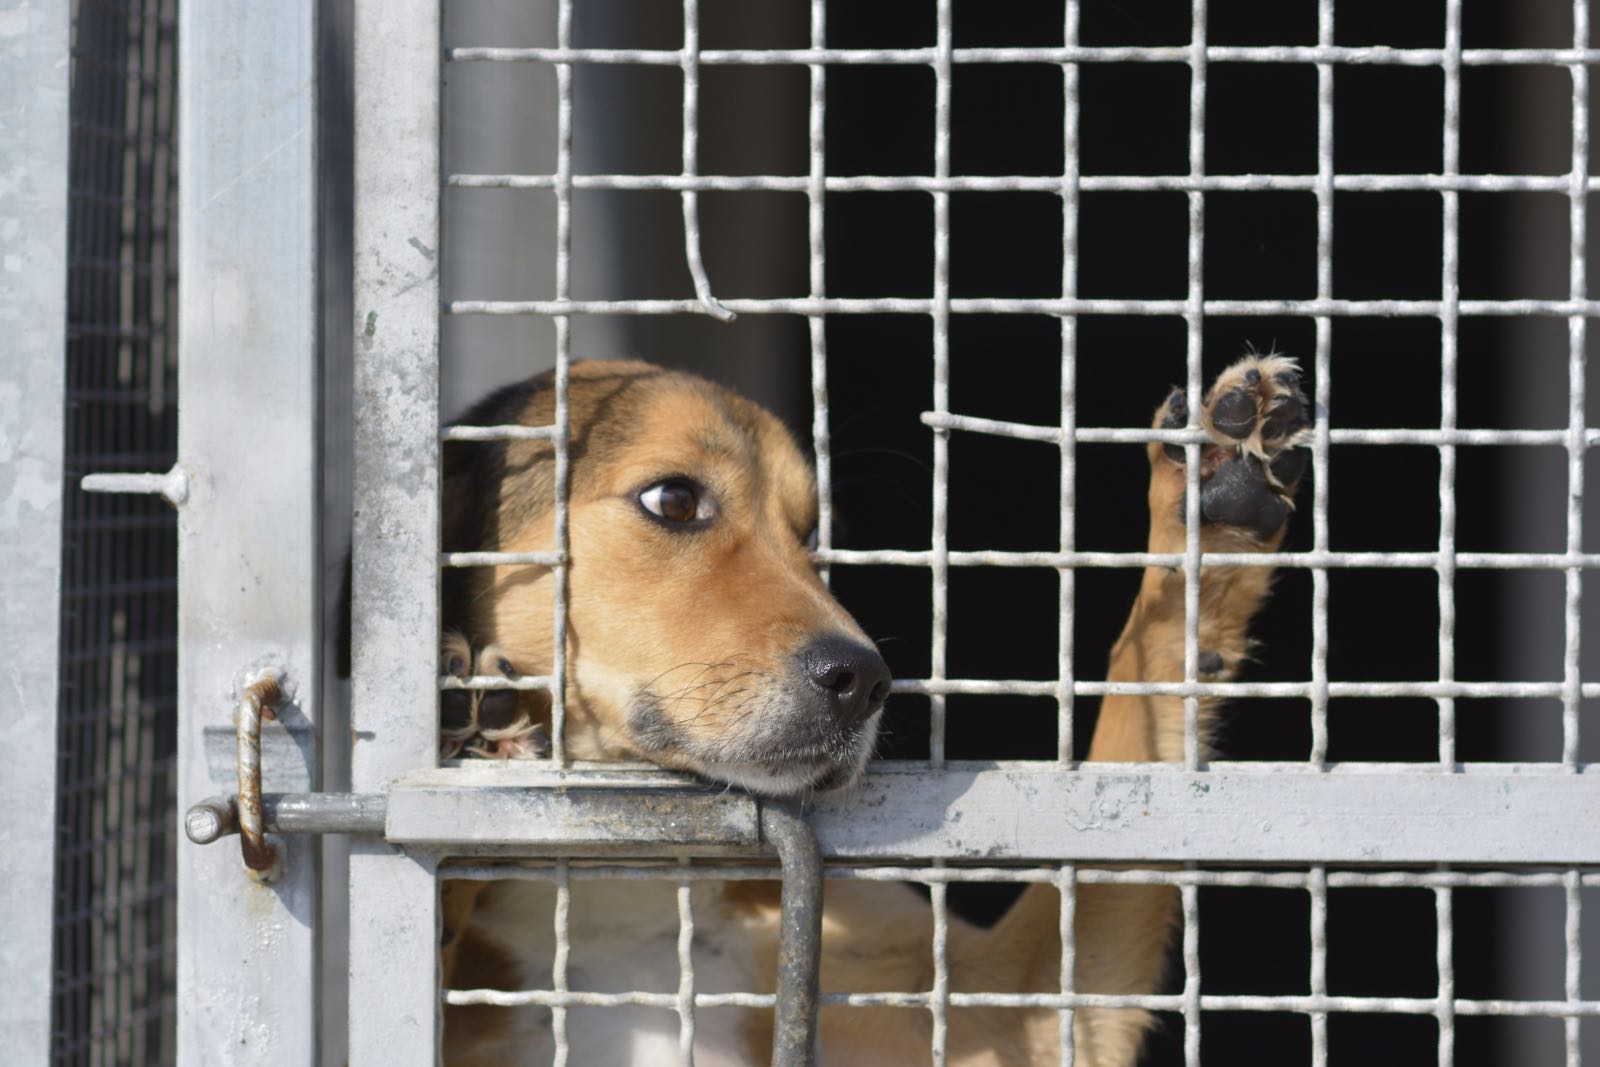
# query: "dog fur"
[[687, 647]]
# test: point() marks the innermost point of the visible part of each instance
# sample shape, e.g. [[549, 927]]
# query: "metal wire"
[[1194, 341], [1220, 877], [1323, 367], [939, 535], [563, 324], [1067, 887], [685, 1003], [1068, 430], [1444, 960], [816, 280], [1577, 334], [905, 305], [1449, 331], [1380, 55]]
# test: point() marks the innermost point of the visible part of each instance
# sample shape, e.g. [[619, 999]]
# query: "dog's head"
[[699, 635]]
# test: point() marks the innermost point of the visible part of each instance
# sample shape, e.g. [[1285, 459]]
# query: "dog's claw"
[[533, 745]]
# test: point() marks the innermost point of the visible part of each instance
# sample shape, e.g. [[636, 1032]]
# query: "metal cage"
[[1320, 827]]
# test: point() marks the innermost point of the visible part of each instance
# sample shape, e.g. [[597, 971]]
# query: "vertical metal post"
[[394, 926], [248, 535], [34, 47]]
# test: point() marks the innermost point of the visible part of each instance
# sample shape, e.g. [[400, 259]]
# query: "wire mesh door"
[[1317, 813]]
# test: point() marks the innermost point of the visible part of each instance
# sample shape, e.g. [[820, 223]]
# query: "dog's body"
[[700, 638]]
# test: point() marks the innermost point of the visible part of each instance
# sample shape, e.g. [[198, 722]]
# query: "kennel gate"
[[247, 491]]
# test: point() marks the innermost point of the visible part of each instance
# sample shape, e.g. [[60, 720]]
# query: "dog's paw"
[[506, 729], [1257, 418], [457, 707]]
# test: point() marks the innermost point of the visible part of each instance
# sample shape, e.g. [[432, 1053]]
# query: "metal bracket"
[[575, 820]]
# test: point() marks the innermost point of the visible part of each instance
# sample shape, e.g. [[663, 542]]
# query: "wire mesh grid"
[[1190, 1001], [115, 879]]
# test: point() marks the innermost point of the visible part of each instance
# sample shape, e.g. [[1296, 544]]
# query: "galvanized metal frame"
[[249, 531], [394, 924], [1512, 815], [34, 114]]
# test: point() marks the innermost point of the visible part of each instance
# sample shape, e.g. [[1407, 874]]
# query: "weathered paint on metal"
[[1488, 814], [289, 813], [466, 819], [1385, 814], [394, 926], [35, 40], [248, 534]]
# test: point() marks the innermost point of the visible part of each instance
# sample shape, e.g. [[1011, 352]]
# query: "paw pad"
[[1257, 419], [486, 723]]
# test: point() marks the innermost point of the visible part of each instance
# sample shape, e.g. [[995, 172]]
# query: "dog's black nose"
[[853, 676]]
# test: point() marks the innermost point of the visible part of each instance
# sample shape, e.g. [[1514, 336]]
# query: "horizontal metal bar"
[[1391, 814], [1232, 879], [1339, 436], [542, 810], [1299, 1004], [503, 998], [1309, 308], [1214, 816], [535, 682], [1216, 1002], [1483, 815], [497, 433], [1229, 690], [501, 559], [289, 813], [1033, 183], [902, 557], [1369, 56]]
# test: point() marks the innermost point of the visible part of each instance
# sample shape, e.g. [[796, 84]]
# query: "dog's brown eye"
[[676, 500]]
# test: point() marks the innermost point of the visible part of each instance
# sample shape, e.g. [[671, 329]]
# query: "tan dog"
[[700, 638]]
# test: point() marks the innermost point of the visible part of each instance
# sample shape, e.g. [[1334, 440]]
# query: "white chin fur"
[[769, 780]]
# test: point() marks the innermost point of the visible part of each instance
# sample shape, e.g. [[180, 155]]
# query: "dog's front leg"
[[1256, 416]]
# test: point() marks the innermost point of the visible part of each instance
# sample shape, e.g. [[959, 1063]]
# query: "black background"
[[1260, 118]]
